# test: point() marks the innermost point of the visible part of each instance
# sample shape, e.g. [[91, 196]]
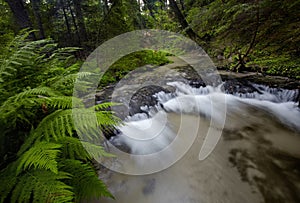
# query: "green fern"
[[8, 180], [56, 125], [36, 102], [43, 155], [85, 181], [42, 186], [73, 148]]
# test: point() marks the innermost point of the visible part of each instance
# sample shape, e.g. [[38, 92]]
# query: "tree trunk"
[[182, 5], [184, 24], [80, 19], [241, 64], [149, 6], [18, 9], [105, 7], [37, 14], [67, 21], [74, 22]]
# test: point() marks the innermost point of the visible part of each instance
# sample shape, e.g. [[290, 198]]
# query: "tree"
[[184, 24], [37, 14], [21, 15], [80, 20]]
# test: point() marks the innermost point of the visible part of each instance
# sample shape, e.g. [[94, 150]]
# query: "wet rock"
[[105, 93], [144, 97], [110, 131], [197, 83], [233, 86], [274, 81]]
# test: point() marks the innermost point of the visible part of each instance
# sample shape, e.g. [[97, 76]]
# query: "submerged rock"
[[149, 187]]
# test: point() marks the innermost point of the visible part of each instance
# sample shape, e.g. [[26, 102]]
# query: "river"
[[256, 158]]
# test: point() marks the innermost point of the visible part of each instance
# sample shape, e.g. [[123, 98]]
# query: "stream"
[[253, 154]]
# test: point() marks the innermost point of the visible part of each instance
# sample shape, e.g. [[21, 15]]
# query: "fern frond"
[[71, 78], [11, 112], [43, 155], [105, 106], [85, 181], [63, 102], [56, 125], [76, 149], [43, 91], [107, 119], [24, 96], [8, 180], [63, 123], [42, 186]]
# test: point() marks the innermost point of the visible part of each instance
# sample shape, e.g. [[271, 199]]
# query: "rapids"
[[249, 144]]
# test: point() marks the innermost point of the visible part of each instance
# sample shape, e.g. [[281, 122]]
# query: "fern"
[[42, 186], [70, 79], [44, 91], [63, 102], [8, 180], [56, 125], [13, 112], [86, 184], [73, 148], [36, 102], [61, 124], [43, 155]]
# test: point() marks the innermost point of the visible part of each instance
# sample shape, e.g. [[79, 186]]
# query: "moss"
[[130, 62]]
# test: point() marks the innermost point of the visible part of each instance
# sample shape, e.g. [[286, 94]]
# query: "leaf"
[[42, 186], [86, 184], [76, 149], [43, 155]]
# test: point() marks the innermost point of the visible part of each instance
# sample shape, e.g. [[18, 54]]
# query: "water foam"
[[148, 135]]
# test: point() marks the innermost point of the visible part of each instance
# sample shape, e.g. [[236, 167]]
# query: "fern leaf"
[[8, 180], [63, 102], [71, 78], [42, 186], [76, 149], [105, 105], [44, 91], [42, 155], [58, 124], [85, 181]]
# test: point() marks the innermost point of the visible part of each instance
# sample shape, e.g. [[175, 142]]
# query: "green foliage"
[[230, 26], [42, 186], [27, 64], [162, 19], [7, 27], [49, 162], [85, 180], [122, 17], [42, 155], [283, 65], [130, 62]]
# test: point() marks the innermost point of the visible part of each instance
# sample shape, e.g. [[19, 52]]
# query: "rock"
[[197, 83], [144, 97], [233, 86]]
